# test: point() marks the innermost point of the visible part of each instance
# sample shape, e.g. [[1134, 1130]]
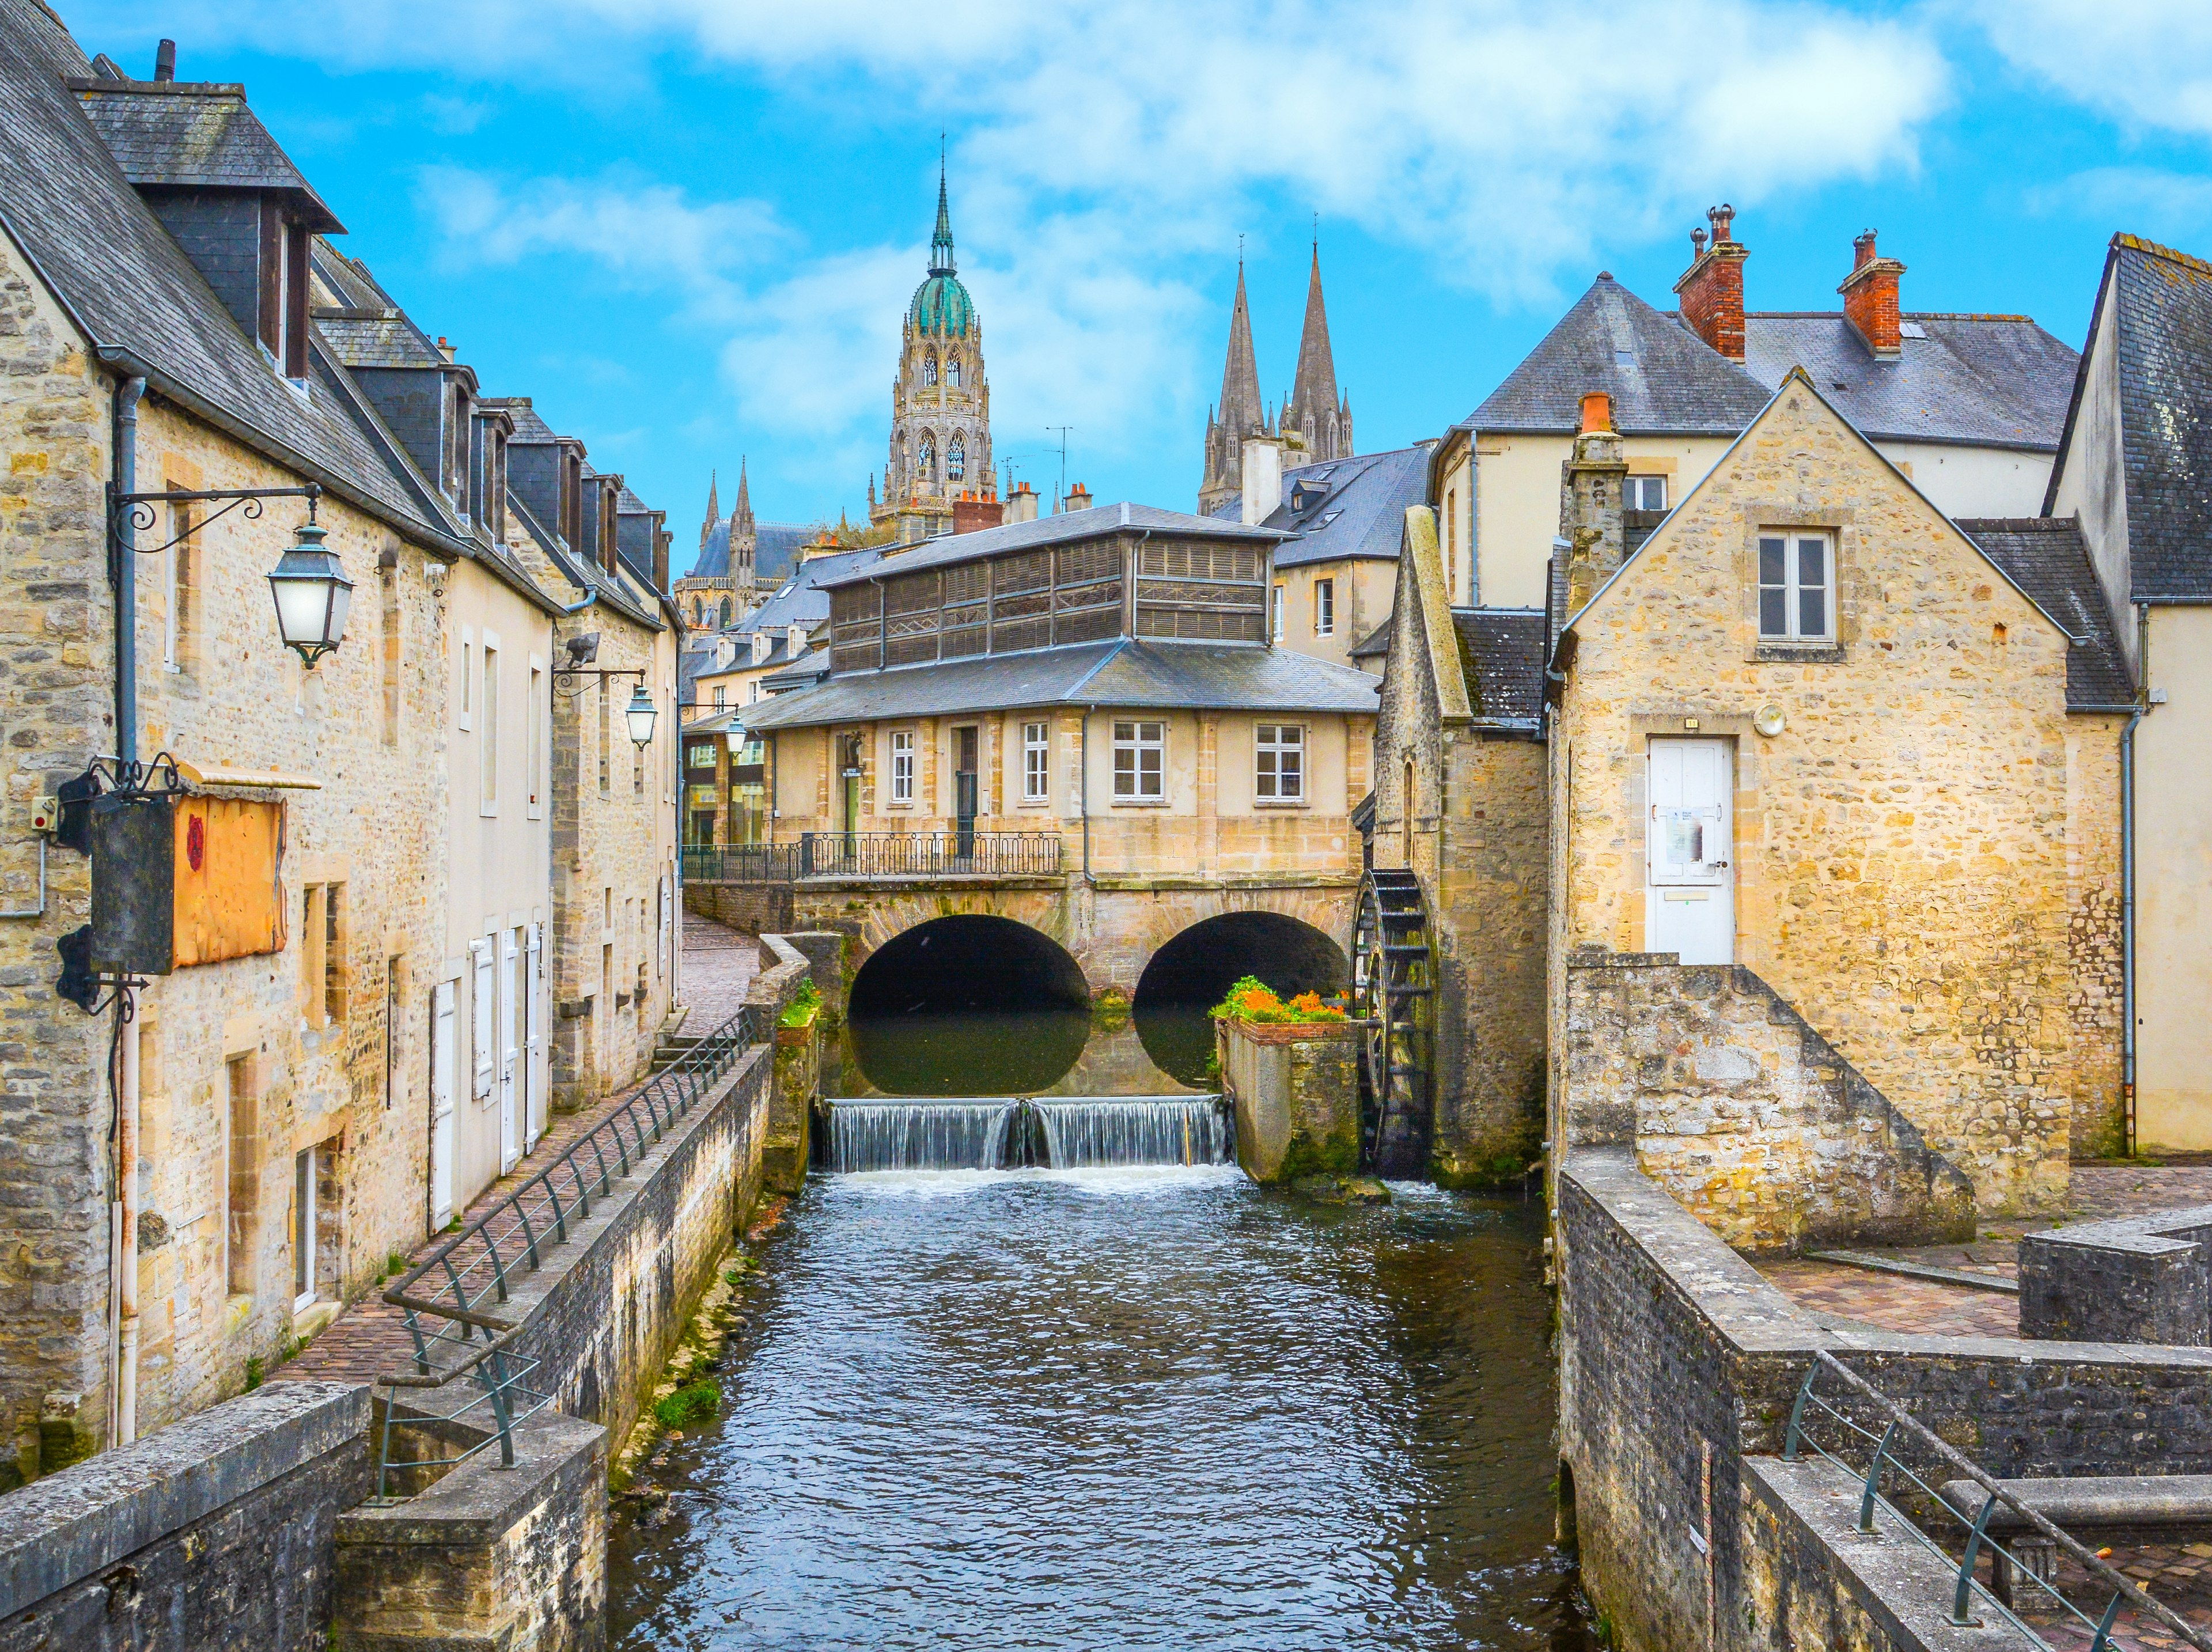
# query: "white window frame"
[[1637, 482], [1791, 588], [1271, 743], [1324, 608], [1037, 763], [902, 768], [306, 1167], [1275, 606], [1136, 779], [488, 753]]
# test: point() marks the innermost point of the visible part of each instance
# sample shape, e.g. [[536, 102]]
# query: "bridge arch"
[[1007, 1000], [1192, 970]]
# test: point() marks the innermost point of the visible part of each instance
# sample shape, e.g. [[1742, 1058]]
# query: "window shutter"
[[482, 1000]]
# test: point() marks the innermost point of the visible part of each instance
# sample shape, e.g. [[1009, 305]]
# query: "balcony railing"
[[929, 854], [742, 863]]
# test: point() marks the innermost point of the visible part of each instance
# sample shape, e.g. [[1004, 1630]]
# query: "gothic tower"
[[1314, 413], [744, 539], [1240, 414], [940, 448]]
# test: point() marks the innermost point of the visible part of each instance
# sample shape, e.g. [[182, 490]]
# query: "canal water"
[[1118, 1408]]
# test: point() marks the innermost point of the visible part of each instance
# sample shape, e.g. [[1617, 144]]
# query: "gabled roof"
[[1988, 380], [363, 326], [1664, 378], [130, 288], [1504, 648], [2046, 558], [1059, 529], [1127, 673], [188, 135], [1353, 507], [775, 550], [2163, 334]]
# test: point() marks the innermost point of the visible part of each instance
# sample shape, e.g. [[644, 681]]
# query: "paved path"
[[1852, 1295], [369, 1337]]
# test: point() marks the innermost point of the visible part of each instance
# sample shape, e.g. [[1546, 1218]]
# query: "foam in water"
[[1122, 1130], [920, 1135]]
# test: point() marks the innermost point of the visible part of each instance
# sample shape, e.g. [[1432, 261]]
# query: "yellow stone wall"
[[1906, 869]]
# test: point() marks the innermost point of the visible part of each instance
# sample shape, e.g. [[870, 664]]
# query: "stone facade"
[[2138, 1279], [1743, 1113], [1904, 870], [1296, 1089]]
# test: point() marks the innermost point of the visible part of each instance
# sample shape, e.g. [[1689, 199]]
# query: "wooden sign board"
[[229, 898]]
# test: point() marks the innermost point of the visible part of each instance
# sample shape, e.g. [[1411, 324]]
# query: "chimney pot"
[[1597, 412], [1697, 245], [1724, 219], [1871, 303], [1711, 289], [1862, 250], [164, 61]]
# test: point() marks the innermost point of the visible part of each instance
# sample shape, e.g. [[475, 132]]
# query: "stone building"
[[1809, 728], [739, 559], [940, 439], [1969, 406], [1315, 426], [1337, 567]]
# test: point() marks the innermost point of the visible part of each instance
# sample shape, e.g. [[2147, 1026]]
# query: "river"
[[1144, 1406]]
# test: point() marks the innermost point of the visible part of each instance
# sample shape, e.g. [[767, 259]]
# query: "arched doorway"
[[1189, 974], [968, 1005]]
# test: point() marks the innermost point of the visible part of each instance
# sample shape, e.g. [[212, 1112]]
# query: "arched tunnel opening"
[[968, 1005], [1190, 973]]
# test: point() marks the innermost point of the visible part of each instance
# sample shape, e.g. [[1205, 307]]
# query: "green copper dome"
[[941, 304]]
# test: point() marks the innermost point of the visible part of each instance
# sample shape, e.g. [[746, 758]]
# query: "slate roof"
[[1059, 529], [1988, 380], [1376, 645], [2163, 332], [775, 550], [362, 324], [2046, 558], [130, 287], [1501, 650], [1664, 380], [1353, 507], [1123, 674], [187, 135]]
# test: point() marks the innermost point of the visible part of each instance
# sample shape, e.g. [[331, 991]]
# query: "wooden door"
[[1690, 850]]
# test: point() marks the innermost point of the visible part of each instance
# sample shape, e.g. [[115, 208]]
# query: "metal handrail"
[[955, 853], [474, 1266], [2126, 1590], [741, 863]]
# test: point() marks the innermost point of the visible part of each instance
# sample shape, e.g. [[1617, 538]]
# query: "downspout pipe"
[[2128, 930], [121, 573], [123, 1242]]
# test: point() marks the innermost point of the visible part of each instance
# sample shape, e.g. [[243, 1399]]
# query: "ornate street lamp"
[[639, 715], [312, 594]]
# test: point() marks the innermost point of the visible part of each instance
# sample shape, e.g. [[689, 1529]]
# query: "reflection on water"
[[1103, 1410], [1046, 1051]]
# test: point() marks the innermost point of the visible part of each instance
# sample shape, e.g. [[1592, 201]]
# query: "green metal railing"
[[1885, 1460], [447, 1299], [878, 854]]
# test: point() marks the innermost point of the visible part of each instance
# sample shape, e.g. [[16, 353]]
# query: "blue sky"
[[688, 228]]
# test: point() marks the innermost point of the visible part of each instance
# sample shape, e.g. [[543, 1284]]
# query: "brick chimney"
[[1711, 289], [1870, 299], [970, 514], [165, 62], [1590, 503]]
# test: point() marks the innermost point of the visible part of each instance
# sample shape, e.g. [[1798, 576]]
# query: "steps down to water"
[[1005, 1132]]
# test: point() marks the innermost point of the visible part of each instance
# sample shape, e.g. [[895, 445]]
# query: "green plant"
[[689, 1404], [803, 1005], [1252, 999], [395, 1264], [253, 1372]]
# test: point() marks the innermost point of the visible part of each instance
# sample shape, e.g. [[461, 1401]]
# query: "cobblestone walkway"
[[1834, 1293], [2178, 1577], [369, 1337]]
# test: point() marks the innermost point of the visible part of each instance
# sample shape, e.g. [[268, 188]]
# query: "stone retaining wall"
[[2139, 1278], [1296, 1089], [750, 908]]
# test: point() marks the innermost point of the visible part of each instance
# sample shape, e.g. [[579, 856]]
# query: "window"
[[243, 1177], [928, 465], [1794, 581], [952, 371], [606, 722], [1644, 493], [956, 459], [337, 938], [1324, 608], [1275, 613], [1451, 544], [929, 368], [177, 586], [487, 738], [1279, 774], [1036, 763], [303, 1229], [903, 766], [467, 720], [702, 756], [532, 787], [1139, 751]]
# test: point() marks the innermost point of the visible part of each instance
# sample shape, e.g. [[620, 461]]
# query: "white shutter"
[[533, 1034], [510, 1146], [483, 1002], [441, 1104]]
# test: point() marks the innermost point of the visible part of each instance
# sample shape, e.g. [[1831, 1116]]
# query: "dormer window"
[[283, 265]]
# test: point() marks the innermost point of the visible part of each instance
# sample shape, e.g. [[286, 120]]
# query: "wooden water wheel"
[[1396, 978]]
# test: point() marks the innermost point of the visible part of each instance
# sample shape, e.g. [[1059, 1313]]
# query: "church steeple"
[[741, 514], [1241, 412], [941, 244], [1314, 413], [714, 510]]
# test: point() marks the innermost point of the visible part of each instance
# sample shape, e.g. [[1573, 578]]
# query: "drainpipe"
[[1083, 790], [2128, 887], [123, 1245]]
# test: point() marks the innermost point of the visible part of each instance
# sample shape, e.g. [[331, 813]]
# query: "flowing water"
[[1089, 1409]]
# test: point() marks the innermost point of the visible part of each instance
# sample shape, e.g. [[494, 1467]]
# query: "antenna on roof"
[[1061, 498]]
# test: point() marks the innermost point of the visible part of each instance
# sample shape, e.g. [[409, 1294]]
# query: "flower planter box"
[[1296, 1089]]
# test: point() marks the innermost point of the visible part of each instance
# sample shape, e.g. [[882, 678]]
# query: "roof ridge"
[[2159, 250]]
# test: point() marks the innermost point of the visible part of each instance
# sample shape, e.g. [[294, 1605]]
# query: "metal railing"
[[1886, 1459], [924, 854], [446, 1298], [741, 863]]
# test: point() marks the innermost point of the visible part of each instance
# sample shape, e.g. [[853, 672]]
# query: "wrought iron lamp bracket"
[[581, 677], [137, 510]]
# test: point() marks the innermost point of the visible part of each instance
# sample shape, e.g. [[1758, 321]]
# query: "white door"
[[533, 1035], [441, 1104], [510, 969], [1690, 837]]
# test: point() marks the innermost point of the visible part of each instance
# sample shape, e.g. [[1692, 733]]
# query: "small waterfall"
[[1112, 1130], [968, 1135]]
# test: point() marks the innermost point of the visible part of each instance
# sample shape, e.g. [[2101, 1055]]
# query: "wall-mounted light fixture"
[[639, 715], [308, 583]]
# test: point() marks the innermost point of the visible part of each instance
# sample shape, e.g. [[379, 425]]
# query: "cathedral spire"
[[741, 514], [1315, 412], [714, 510], [941, 244], [1241, 409]]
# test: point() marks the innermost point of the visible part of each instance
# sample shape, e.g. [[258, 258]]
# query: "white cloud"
[[2149, 62]]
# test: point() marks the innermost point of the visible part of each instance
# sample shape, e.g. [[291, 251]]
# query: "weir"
[[1000, 1132]]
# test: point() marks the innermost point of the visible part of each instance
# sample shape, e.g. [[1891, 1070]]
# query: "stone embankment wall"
[[748, 908], [2138, 1279], [1296, 1089], [1743, 1113], [1678, 1365]]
